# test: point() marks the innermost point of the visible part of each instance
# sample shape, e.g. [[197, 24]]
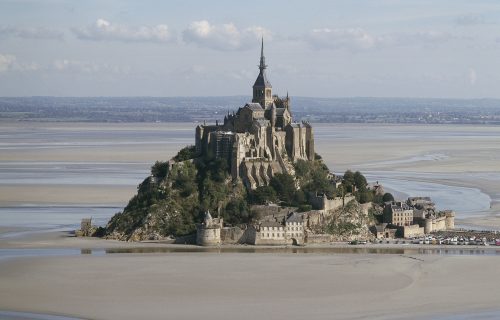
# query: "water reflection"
[[304, 250], [15, 253], [11, 315]]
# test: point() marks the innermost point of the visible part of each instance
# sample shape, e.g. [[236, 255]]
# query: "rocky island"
[[256, 179]]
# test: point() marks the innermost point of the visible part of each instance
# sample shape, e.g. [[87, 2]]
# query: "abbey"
[[260, 139]]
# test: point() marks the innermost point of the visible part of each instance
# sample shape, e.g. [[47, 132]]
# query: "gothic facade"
[[260, 139]]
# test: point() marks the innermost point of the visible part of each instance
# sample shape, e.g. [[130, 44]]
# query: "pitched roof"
[[271, 224], [262, 81], [295, 217], [254, 106]]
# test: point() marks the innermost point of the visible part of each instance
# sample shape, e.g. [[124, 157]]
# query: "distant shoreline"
[[199, 109]]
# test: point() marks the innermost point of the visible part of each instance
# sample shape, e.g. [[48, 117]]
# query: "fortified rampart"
[[321, 202]]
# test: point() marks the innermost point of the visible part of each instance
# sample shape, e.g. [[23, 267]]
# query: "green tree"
[[186, 153], [387, 197], [263, 195], [365, 196], [284, 185], [160, 169], [348, 181], [359, 181], [237, 211]]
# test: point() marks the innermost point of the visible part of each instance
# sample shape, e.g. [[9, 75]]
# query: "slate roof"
[[271, 224], [381, 227], [262, 81], [295, 217], [254, 106]]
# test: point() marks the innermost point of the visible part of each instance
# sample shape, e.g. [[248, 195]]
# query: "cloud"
[[224, 37], [351, 39], [31, 33], [6, 62], [103, 30], [420, 38], [472, 76], [470, 20], [358, 39], [87, 67], [10, 63]]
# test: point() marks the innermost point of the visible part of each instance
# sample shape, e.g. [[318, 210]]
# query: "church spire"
[[262, 64], [262, 89]]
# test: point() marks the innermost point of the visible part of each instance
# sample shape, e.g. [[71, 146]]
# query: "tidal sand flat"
[[250, 286], [457, 165], [52, 175], [100, 165]]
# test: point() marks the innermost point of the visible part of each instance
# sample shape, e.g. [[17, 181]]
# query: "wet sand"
[[15, 195], [250, 286], [259, 285]]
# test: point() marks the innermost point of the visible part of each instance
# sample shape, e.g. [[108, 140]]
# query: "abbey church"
[[260, 139]]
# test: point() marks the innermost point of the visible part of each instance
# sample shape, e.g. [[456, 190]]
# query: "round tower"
[[450, 220], [208, 232], [428, 226]]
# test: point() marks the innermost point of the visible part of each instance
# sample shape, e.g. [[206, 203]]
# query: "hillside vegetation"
[[176, 195]]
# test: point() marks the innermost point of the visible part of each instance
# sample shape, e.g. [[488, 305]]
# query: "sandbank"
[[250, 286]]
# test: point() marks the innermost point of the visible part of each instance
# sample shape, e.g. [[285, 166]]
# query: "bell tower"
[[262, 89]]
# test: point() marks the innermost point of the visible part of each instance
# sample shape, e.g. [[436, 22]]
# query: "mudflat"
[[250, 286]]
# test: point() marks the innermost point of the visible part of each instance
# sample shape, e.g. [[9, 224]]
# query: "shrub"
[[263, 195], [186, 153], [160, 169]]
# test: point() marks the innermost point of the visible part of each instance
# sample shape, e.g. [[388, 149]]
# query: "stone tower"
[[262, 89]]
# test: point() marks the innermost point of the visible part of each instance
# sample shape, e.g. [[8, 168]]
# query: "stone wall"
[[450, 220], [208, 236], [233, 235], [321, 202], [439, 224], [318, 238], [413, 230], [271, 212]]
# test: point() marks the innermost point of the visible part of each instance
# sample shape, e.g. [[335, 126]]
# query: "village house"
[[398, 213]]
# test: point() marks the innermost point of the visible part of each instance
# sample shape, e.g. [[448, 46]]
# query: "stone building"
[[294, 228], [416, 217], [383, 231], [398, 213], [260, 139], [287, 232]]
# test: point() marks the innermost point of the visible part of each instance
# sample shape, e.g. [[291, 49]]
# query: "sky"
[[337, 48]]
